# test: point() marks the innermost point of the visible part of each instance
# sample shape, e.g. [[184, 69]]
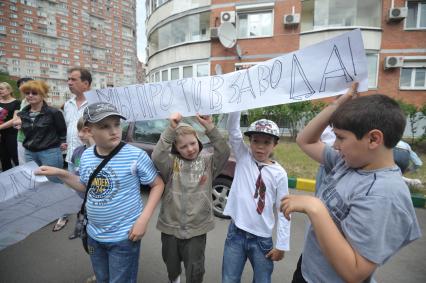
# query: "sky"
[[140, 30]]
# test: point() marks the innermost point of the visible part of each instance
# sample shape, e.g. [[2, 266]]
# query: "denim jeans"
[[239, 246], [115, 262], [51, 157]]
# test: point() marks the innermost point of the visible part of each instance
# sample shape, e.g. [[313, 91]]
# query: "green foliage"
[[414, 115], [299, 165], [4, 77], [293, 116]]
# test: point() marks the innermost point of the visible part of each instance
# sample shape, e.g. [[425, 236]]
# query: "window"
[[203, 70], [174, 73], [187, 29], [372, 65], [416, 18], [164, 75], [245, 65], [255, 24], [187, 72], [342, 13], [413, 78]]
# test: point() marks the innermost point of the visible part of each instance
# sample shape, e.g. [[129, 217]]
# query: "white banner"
[[29, 202], [325, 69]]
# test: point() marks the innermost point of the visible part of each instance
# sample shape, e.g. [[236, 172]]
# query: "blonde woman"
[[8, 145], [43, 126]]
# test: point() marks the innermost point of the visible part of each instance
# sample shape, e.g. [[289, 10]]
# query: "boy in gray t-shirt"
[[362, 213]]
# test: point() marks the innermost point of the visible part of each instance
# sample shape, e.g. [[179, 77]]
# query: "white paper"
[[325, 69], [29, 202]]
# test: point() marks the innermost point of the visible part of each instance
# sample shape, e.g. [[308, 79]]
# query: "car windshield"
[[150, 131]]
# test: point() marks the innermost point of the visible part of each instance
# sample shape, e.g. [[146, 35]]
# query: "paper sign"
[[325, 69]]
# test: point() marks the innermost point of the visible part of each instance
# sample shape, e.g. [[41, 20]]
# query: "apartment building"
[[42, 39], [183, 37]]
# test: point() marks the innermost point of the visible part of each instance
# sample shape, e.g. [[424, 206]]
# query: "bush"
[[293, 116], [414, 115], [4, 77]]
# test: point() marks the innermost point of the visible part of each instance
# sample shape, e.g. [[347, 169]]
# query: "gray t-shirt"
[[372, 209]]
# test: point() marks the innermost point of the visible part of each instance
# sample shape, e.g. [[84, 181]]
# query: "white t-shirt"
[[72, 114], [242, 204]]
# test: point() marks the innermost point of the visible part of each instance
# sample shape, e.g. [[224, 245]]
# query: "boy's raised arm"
[[160, 154], [309, 138]]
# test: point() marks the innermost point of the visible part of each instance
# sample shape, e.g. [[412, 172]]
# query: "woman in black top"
[[8, 144], [44, 127]]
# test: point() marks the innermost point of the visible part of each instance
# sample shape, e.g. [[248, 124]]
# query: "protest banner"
[[29, 202], [325, 69]]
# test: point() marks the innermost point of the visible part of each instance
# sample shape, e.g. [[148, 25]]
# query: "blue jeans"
[[51, 157], [239, 246], [115, 262]]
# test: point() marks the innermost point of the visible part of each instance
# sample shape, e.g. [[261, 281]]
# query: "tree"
[[414, 115], [4, 77], [293, 116]]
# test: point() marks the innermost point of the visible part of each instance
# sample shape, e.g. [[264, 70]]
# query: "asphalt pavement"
[[47, 256]]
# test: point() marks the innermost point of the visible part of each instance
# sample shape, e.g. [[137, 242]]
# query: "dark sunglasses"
[[31, 92]]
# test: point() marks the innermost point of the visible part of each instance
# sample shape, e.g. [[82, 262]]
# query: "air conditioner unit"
[[397, 13], [214, 33], [227, 16], [291, 19], [394, 62]]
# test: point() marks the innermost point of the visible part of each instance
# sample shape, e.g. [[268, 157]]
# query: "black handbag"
[[81, 216]]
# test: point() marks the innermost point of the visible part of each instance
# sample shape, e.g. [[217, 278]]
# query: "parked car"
[[145, 134]]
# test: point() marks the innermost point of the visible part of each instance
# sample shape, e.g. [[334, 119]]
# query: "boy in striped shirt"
[[117, 217]]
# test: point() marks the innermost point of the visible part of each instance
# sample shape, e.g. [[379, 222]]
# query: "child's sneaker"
[[72, 236], [60, 223], [91, 279], [177, 280]]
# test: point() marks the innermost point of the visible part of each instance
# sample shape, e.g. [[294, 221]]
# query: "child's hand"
[[352, 93], [47, 171], [63, 146], [298, 203], [275, 255], [138, 230], [206, 121], [174, 119]]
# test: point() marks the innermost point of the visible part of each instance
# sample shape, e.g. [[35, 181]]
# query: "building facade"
[[42, 39], [183, 37]]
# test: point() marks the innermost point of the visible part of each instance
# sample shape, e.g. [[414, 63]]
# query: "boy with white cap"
[[258, 186]]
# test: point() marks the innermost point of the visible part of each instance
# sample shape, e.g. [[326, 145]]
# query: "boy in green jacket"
[[186, 213]]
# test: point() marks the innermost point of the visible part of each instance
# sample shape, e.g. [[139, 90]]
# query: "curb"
[[301, 184], [308, 185], [419, 200]]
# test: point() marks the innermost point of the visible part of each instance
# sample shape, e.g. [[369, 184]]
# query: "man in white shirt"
[[79, 81]]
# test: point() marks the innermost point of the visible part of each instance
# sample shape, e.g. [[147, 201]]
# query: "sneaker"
[[60, 223], [177, 280], [72, 236], [91, 279]]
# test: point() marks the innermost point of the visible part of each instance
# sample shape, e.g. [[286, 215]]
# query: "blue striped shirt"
[[114, 201]]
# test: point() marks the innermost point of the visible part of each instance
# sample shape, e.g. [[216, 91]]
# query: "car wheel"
[[221, 188]]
